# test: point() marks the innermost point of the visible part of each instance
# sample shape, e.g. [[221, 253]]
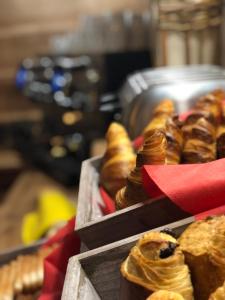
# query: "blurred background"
[[62, 65]]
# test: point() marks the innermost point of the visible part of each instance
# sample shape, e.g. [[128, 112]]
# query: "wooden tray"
[[95, 274], [96, 230]]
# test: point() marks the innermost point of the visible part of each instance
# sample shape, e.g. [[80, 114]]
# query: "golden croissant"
[[157, 263], [152, 152], [210, 103], [199, 141], [203, 246], [165, 295], [161, 113], [200, 129], [160, 147], [118, 161]]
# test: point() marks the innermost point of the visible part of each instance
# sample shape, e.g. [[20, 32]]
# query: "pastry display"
[[200, 138], [118, 161], [161, 146], [157, 263], [190, 267], [203, 246], [165, 295], [23, 275]]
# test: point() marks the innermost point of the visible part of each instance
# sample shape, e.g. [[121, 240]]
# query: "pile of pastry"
[[187, 268], [199, 138], [24, 275]]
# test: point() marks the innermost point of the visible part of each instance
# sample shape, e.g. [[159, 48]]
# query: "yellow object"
[[53, 207]]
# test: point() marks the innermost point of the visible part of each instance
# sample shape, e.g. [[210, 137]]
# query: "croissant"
[[165, 295], [199, 141], [118, 161], [201, 244], [219, 294], [157, 263], [161, 113], [152, 152], [211, 104], [160, 147]]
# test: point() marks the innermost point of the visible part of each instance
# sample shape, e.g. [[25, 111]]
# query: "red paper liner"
[[109, 205], [193, 187]]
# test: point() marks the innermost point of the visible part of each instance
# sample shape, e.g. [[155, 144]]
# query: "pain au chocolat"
[[203, 244], [200, 129], [118, 161], [161, 146], [157, 263]]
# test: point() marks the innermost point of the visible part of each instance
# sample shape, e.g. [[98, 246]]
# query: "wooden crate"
[[95, 274], [96, 230]]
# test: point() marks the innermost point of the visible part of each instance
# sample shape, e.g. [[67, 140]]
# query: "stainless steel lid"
[[143, 90]]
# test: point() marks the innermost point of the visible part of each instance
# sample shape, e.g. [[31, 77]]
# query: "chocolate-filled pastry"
[[156, 263], [199, 141], [201, 243], [161, 113], [219, 293], [209, 103], [207, 107], [165, 295], [118, 161], [174, 137]]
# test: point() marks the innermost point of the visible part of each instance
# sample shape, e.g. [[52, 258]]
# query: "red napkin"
[[55, 264], [194, 188]]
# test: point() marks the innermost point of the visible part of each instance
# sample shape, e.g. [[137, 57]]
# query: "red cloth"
[[194, 188], [55, 264]]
